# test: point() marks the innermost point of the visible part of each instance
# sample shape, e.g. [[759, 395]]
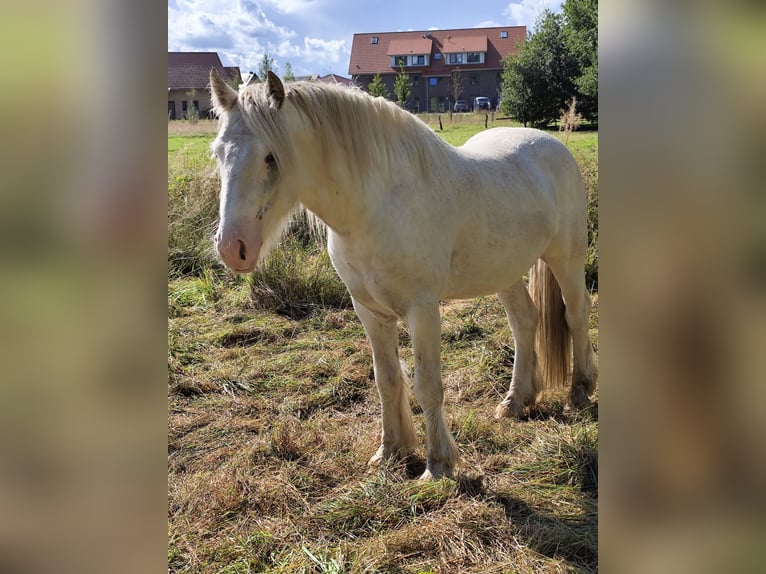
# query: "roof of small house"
[[191, 70], [334, 79]]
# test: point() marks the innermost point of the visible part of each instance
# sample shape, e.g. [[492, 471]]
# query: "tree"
[[539, 79], [455, 87], [377, 88], [266, 65], [519, 86], [582, 41], [288, 76], [402, 87], [192, 112], [558, 62]]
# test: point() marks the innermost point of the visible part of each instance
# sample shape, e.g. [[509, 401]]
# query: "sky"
[[315, 36]]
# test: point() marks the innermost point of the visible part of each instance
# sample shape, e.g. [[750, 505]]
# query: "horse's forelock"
[[263, 121]]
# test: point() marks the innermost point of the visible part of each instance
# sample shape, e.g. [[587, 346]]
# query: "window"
[[503, 34], [454, 58], [473, 58], [438, 56], [397, 61], [433, 81], [374, 40]]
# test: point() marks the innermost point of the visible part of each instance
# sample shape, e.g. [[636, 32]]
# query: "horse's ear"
[[224, 95], [276, 89]]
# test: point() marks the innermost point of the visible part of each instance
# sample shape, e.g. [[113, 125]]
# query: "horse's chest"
[[374, 278]]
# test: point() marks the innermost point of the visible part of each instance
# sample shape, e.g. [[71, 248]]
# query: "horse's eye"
[[270, 161]]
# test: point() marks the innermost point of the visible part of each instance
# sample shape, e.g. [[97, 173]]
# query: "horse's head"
[[255, 201]]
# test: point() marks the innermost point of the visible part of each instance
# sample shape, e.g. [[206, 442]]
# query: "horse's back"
[[515, 143], [540, 156]]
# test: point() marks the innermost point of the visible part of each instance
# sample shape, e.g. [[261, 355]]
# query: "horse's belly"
[[478, 272], [467, 283]]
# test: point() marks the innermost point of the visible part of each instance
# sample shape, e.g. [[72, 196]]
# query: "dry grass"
[[187, 128], [273, 416], [272, 421]]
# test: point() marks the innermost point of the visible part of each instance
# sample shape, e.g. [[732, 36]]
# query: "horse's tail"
[[552, 343]]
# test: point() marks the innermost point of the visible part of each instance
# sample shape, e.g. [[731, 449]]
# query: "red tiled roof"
[[465, 44], [369, 58], [187, 70], [334, 79], [405, 46]]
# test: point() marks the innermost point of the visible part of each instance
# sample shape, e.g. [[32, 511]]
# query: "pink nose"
[[238, 251]]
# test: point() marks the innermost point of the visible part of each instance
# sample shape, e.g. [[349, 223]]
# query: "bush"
[[589, 170], [297, 280], [192, 215]]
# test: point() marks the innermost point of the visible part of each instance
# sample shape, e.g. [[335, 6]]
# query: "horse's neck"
[[330, 193], [343, 198]]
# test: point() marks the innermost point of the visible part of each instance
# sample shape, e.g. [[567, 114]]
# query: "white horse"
[[411, 221]]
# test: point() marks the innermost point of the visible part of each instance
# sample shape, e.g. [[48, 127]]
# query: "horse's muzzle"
[[239, 247]]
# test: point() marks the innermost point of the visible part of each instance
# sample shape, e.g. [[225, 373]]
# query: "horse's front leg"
[[425, 329], [398, 437]]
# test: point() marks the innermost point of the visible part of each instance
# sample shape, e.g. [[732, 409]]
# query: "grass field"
[[273, 415]]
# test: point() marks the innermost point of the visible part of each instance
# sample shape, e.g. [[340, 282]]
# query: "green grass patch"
[[189, 145]]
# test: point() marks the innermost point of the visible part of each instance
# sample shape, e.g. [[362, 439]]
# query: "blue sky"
[[315, 35]]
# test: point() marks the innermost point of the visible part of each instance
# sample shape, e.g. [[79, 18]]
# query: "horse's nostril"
[[242, 250]]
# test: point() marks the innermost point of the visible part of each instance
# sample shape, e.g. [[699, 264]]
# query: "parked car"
[[482, 103], [460, 106]]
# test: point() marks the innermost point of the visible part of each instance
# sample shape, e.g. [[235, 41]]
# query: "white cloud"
[[526, 12], [301, 7], [324, 51], [487, 24], [226, 23], [241, 32]]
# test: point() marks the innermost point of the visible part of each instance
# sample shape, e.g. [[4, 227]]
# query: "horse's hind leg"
[[398, 437], [525, 383], [569, 275]]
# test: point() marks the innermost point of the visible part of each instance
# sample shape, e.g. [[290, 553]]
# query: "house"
[[188, 79], [430, 59], [326, 79], [334, 79]]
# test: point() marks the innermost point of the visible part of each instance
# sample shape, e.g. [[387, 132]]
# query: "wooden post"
[[441, 127], [486, 118]]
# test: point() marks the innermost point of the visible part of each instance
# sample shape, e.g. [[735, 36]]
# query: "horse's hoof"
[[388, 453], [376, 460], [509, 409], [436, 471], [578, 397]]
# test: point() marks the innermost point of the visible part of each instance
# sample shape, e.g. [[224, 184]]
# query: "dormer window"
[[414, 60], [465, 58]]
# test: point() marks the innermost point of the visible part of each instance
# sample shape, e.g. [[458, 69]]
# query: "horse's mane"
[[371, 132]]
